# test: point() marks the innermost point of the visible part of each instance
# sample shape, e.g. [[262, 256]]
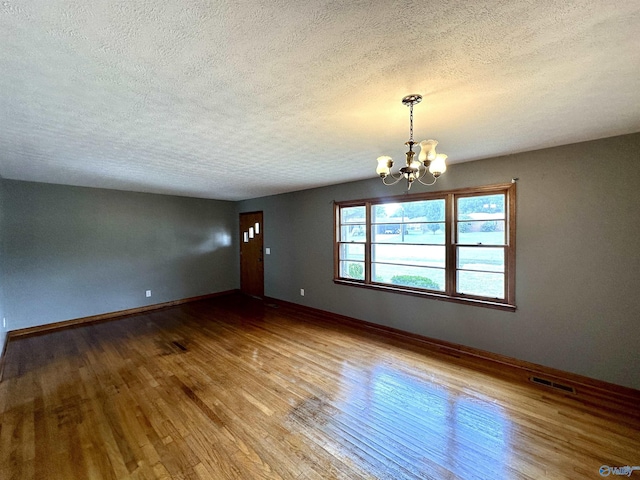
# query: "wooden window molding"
[[456, 245]]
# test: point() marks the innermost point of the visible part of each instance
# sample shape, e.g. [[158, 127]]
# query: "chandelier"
[[428, 159]]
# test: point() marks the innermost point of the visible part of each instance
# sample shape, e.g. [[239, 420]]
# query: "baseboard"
[[103, 317], [596, 389]]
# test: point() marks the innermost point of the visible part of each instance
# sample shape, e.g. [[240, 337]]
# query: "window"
[[457, 245]]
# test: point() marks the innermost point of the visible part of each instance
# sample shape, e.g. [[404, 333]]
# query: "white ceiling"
[[235, 100]]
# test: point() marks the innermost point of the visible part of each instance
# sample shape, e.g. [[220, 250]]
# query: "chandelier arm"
[[435, 179], [396, 179]]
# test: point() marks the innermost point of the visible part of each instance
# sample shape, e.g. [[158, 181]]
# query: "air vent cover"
[[549, 383]]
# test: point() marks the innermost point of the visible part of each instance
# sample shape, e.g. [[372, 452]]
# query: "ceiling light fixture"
[[428, 159]]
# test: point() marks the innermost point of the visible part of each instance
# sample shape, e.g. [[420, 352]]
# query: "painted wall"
[[3, 328], [72, 252], [577, 267]]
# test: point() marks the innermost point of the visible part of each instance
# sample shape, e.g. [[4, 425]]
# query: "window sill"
[[431, 295]]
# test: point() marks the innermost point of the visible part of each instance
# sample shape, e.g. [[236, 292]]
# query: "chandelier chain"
[[411, 123]]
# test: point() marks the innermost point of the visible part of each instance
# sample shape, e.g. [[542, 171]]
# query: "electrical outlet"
[[148, 293], [4, 322], [302, 292], [267, 251]]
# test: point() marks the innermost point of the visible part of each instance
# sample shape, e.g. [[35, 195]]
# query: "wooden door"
[[251, 254]]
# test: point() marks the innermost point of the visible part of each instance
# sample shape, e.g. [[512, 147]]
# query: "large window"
[[457, 245]]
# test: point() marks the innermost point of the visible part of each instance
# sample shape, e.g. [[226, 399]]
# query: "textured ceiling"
[[241, 99]]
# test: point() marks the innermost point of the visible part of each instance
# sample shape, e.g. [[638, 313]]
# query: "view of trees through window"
[[410, 242], [480, 250], [352, 242]]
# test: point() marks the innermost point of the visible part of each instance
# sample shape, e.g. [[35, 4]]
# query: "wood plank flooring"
[[233, 388]]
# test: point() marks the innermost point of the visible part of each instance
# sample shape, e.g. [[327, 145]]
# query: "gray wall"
[[3, 328], [71, 252], [577, 267]]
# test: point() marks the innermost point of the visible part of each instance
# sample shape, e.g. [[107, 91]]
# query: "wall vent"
[[549, 383]]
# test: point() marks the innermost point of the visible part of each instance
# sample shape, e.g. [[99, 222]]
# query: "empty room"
[[319, 240]]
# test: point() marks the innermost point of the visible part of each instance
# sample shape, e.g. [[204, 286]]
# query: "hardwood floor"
[[232, 388]]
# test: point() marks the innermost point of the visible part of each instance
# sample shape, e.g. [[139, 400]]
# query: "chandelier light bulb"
[[439, 165], [384, 166], [427, 150]]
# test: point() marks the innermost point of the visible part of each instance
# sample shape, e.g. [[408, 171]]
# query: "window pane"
[[352, 215], [352, 251], [352, 233], [423, 233], [387, 212], [420, 277], [388, 228], [481, 283], [480, 258], [422, 255], [428, 228], [387, 233], [482, 232], [353, 270], [481, 207], [424, 211]]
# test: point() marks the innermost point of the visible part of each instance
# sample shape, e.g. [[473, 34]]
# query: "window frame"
[[451, 245]]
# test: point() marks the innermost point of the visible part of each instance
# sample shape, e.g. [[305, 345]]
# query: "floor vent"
[[549, 383], [180, 346]]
